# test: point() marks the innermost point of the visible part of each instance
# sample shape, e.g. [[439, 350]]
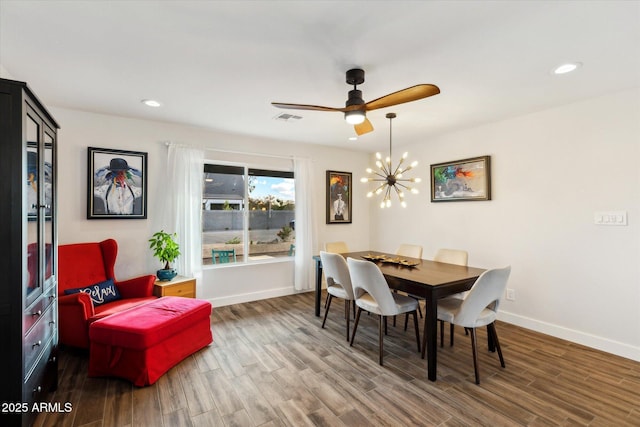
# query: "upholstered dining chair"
[[338, 283], [478, 309], [373, 295], [458, 257], [336, 247], [413, 251]]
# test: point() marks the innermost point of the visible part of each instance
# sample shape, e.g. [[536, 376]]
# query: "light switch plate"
[[610, 218]]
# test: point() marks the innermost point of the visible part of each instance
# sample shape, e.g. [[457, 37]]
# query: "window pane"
[[271, 214], [222, 214]]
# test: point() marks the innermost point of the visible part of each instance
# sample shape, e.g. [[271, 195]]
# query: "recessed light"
[[151, 103], [567, 68], [353, 138]]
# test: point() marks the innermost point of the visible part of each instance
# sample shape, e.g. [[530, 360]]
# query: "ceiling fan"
[[355, 108]]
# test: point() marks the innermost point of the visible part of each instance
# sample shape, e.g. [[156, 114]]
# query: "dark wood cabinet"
[[28, 288]]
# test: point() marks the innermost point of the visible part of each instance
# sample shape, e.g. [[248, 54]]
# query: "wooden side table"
[[179, 286]]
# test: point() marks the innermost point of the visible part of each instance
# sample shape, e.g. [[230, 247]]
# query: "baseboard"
[[253, 296], [593, 341]]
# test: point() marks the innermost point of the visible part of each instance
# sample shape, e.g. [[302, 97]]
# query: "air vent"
[[287, 117]]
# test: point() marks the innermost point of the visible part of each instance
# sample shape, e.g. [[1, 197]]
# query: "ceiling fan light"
[[354, 117]]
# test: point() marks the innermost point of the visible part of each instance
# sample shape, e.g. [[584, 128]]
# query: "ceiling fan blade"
[[305, 107], [409, 94], [364, 127]]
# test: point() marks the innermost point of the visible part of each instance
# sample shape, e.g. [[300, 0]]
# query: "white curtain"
[[184, 204], [305, 225]]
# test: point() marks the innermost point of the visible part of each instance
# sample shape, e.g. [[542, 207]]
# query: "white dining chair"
[[412, 251], [336, 247], [336, 272], [458, 257], [478, 309], [373, 295]]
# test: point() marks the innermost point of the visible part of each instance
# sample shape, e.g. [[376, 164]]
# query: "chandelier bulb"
[[369, 170], [414, 191], [416, 180], [388, 203], [378, 156], [370, 193], [365, 180], [382, 204], [403, 204], [388, 160], [378, 163], [414, 164], [404, 156]]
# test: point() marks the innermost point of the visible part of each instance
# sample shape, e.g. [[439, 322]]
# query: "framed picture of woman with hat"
[[117, 184]]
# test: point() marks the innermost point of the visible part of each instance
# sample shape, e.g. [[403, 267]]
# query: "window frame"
[[249, 170]]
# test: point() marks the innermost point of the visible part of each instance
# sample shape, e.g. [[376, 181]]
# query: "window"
[[247, 214]]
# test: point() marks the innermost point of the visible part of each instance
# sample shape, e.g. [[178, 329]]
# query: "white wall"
[[551, 171], [220, 285]]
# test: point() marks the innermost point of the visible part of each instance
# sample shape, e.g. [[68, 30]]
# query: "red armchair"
[[84, 264]]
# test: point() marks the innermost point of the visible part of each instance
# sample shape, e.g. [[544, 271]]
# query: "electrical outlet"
[[511, 294]]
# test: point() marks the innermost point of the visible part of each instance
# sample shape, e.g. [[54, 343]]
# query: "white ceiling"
[[219, 64]]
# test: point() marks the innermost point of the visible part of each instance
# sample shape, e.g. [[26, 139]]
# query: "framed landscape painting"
[[338, 197], [468, 179]]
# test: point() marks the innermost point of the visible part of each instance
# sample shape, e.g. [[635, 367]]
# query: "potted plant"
[[166, 249]]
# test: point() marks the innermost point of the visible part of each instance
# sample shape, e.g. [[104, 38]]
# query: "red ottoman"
[[144, 342]]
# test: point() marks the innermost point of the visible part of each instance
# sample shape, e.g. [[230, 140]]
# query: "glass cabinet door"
[[33, 285], [48, 211]]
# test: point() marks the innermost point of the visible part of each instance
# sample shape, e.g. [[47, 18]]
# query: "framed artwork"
[[468, 179], [117, 184], [339, 197]]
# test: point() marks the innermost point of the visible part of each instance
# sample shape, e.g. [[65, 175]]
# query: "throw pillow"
[[100, 293]]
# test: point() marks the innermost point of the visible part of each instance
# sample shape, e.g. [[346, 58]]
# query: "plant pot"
[[166, 275]]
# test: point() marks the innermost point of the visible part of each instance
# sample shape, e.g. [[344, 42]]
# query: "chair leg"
[[381, 319], [451, 328], [347, 315], [355, 326], [415, 325], [406, 321], [492, 328], [386, 332], [441, 332], [326, 310], [419, 309], [326, 300], [475, 354]]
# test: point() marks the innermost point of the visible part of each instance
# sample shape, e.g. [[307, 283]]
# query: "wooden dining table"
[[430, 280]]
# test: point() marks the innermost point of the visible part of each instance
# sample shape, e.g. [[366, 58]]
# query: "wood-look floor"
[[272, 365]]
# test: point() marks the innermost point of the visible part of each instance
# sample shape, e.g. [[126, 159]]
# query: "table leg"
[[318, 286], [431, 336]]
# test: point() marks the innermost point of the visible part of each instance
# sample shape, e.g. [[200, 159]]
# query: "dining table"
[[428, 279]]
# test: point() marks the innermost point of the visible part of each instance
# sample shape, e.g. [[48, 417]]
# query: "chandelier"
[[389, 177]]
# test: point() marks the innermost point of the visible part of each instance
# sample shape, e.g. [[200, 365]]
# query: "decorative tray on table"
[[374, 258]]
